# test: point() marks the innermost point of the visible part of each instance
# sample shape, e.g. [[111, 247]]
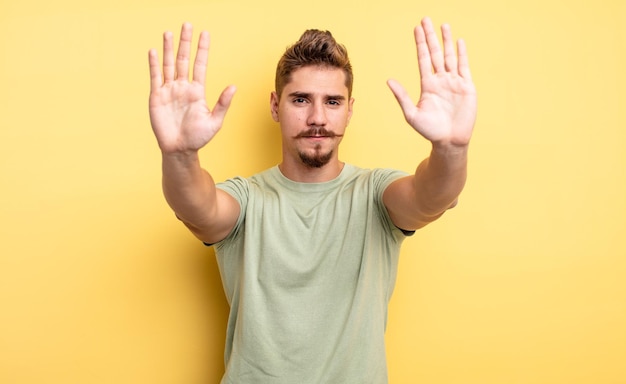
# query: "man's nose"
[[317, 115]]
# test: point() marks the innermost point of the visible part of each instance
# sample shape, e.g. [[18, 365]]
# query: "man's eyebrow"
[[300, 94], [307, 95], [335, 97]]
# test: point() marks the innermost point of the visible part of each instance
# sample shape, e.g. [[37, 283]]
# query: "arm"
[[444, 115], [182, 124]]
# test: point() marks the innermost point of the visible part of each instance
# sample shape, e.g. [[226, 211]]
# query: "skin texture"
[[313, 111]]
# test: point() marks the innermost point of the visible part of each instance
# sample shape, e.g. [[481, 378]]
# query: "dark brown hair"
[[315, 48]]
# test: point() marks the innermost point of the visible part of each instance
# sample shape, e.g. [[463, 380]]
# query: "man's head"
[[312, 101], [315, 48]]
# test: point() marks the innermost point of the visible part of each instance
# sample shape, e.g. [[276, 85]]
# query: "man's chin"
[[316, 160]]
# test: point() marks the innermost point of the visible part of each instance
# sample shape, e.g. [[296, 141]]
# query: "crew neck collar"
[[311, 187]]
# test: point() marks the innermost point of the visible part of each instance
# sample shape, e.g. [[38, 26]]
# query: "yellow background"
[[524, 282]]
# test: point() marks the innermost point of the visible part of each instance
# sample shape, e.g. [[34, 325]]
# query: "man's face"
[[313, 111]]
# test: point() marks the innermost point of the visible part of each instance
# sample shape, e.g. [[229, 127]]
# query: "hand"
[[446, 111], [179, 115]]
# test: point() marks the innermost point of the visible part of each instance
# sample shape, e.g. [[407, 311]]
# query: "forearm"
[[440, 178], [189, 190]]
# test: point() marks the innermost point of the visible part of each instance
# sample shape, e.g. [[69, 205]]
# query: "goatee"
[[317, 160]]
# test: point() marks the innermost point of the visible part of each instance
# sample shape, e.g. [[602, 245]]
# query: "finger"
[[464, 68], [402, 97], [423, 55], [223, 103], [184, 49], [436, 55], [448, 49], [202, 56], [156, 78], [168, 57]]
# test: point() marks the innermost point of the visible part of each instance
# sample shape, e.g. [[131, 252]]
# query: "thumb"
[[402, 97], [223, 103]]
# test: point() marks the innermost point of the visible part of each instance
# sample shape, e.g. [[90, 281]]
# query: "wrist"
[[449, 149], [181, 157]]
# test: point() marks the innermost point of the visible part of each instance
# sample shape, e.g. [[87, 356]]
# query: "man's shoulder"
[[254, 178], [354, 171]]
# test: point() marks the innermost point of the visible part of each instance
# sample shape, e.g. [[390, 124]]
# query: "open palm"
[[446, 111], [180, 117]]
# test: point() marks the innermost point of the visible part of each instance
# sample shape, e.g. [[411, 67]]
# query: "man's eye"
[[299, 100], [334, 102]]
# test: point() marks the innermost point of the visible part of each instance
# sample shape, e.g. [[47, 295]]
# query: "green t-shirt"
[[308, 272]]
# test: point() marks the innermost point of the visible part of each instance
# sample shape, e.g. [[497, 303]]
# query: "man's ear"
[[350, 109], [274, 99]]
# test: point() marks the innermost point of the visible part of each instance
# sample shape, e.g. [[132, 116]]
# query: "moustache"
[[317, 132]]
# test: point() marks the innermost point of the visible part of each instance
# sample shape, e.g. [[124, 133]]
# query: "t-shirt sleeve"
[[238, 188], [382, 178]]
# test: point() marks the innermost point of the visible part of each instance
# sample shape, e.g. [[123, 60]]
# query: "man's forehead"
[[316, 80]]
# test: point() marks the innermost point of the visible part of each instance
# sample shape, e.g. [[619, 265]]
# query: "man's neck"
[[302, 173]]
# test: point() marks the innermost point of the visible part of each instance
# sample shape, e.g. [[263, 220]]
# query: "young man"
[[308, 249]]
